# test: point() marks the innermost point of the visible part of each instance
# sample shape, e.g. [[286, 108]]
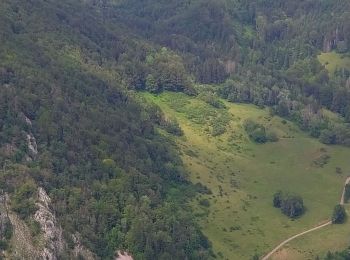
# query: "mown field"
[[239, 219]]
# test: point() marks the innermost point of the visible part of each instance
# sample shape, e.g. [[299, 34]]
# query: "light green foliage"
[[23, 201], [167, 72], [258, 132], [243, 177], [71, 67], [333, 61], [211, 99]]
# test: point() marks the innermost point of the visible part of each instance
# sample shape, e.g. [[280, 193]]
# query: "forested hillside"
[[91, 146], [72, 124]]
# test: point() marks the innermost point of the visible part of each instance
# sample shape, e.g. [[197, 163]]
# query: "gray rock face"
[[32, 146], [123, 256], [26, 119], [81, 250], [52, 232]]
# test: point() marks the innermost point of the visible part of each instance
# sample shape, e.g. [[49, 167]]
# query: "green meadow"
[[333, 61], [240, 219], [331, 238]]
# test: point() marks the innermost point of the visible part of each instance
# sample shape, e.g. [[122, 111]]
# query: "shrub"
[[249, 125], [23, 202], [347, 193], [211, 99], [258, 133], [172, 127], [8, 230], [204, 203], [3, 245], [339, 215], [322, 160], [277, 199], [34, 227], [218, 130], [271, 136], [290, 205], [202, 188], [327, 137]]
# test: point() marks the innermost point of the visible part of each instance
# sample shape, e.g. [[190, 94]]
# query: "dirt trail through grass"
[[342, 202]]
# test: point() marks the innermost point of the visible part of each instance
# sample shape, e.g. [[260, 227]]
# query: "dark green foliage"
[[23, 202], [69, 66], [271, 136], [277, 199], [256, 257], [343, 255], [347, 193], [258, 133], [200, 188], [172, 126], [3, 245], [290, 205], [255, 131], [328, 137], [204, 203], [66, 66], [339, 215], [322, 160], [8, 230], [166, 71], [218, 129], [211, 99], [34, 227]]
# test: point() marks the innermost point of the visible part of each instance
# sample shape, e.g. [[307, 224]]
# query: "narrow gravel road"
[[342, 201]]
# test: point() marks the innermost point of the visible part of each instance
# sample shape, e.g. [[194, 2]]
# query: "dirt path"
[[309, 230]]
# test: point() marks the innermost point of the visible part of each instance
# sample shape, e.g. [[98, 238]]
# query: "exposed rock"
[[230, 66], [8, 150], [81, 250], [52, 232], [50, 244], [27, 158], [32, 146], [26, 119], [123, 256], [22, 243]]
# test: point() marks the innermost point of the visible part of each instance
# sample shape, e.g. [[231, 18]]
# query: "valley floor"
[[240, 220]]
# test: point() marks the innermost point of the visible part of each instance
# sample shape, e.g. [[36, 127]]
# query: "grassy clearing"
[[332, 238], [333, 60], [243, 176]]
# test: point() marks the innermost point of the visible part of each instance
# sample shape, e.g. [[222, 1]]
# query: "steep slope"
[[72, 125], [69, 126]]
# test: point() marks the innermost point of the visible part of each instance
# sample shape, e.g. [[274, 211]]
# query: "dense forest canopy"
[[68, 70]]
